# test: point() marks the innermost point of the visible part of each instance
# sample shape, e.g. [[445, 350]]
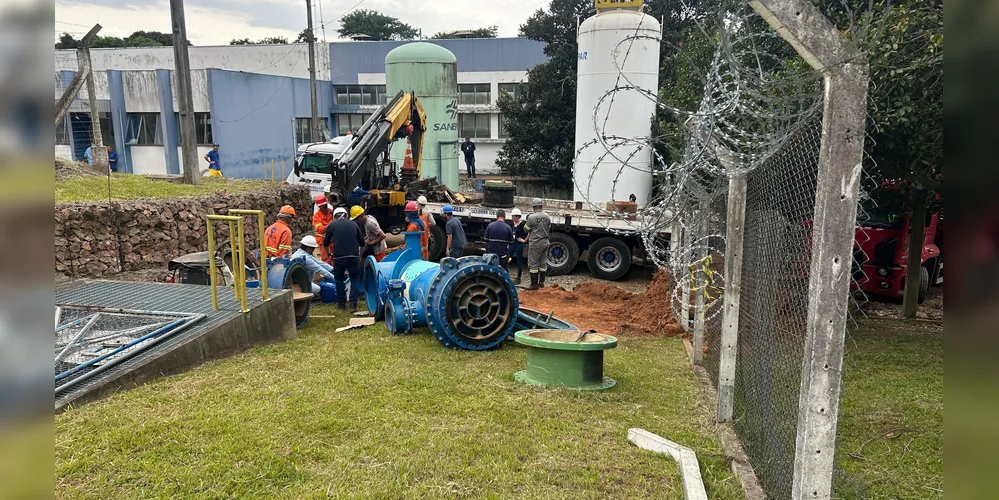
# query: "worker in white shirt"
[[313, 265]]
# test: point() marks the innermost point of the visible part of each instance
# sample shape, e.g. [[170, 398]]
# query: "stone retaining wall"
[[93, 239]]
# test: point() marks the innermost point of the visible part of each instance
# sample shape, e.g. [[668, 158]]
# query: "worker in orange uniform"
[[277, 237], [416, 224], [322, 218]]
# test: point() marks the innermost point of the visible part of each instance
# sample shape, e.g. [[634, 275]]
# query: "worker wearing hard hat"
[[517, 247], [374, 237], [416, 224], [538, 227], [277, 237], [313, 265], [429, 219], [347, 242], [320, 219]]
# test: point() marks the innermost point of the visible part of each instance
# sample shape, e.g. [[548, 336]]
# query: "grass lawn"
[[130, 187], [367, 415], [891, 432]]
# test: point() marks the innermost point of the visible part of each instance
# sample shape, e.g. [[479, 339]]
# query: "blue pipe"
[[467, 303]]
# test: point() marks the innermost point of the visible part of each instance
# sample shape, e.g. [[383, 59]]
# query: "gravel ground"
[[931, 309]]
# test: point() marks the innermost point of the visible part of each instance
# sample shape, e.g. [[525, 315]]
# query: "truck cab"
[[312, 164], [881, 253]]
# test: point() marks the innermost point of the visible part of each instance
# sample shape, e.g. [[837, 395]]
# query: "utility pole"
[[185, 101], [97, 151], [316, 127]]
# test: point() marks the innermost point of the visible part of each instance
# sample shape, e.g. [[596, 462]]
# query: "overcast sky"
[[215, 22]]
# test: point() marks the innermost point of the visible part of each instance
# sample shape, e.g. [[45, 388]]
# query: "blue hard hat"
[[448, 209]]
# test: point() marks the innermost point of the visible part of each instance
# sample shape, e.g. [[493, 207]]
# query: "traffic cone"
[[408, 169], [407, 162]]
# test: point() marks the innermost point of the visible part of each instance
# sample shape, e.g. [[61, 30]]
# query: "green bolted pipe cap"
[[418, 52], [565, 340]]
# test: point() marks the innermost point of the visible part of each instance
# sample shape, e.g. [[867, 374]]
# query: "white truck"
[[608, 244]]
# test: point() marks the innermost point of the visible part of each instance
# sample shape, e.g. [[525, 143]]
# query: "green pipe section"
[[555, 358]]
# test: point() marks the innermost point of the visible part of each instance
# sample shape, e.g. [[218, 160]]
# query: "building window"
[[356, 95], [144, 129], [303, 130], [62, 133], [474, 125], [473, 93], [349, 122], [203, 128], [514, 89], [502, 127]]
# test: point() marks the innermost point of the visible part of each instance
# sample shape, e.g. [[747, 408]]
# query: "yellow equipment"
[[366, 155]]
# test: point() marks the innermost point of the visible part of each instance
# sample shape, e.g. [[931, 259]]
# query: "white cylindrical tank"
[[599, 177]]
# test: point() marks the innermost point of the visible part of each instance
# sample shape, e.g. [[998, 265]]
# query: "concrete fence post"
[[685, 257], [735, 234], [845, 73], [700, 285]]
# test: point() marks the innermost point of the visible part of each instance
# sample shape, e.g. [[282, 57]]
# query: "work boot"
[[353, 307], [517, 281], [342, 306], [541, 279], [534, 282]]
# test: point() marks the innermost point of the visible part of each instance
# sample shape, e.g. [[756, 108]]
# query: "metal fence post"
[[845, 72], [734, 236]]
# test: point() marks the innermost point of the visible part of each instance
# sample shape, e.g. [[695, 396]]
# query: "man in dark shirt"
[[456, 240], [347, 240], [499, 236], [112, 159], [469, 149]]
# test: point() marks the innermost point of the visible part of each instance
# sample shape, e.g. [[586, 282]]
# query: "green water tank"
[[432, 72]]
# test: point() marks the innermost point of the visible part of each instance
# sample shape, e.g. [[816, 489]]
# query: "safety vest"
[[277, 239], [424, 238]]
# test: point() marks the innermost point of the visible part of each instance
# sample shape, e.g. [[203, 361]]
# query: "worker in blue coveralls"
[[214, 163]]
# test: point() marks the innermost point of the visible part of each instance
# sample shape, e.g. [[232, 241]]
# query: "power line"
[[345, 13], [74, 24]]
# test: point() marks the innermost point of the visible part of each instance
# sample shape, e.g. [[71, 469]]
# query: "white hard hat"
[[516, 212], [422, 200], [340, 211], [310, 241]]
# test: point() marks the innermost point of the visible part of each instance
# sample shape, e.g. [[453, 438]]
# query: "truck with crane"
[[361, 159]]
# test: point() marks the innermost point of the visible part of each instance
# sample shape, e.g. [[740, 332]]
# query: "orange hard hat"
[[287, 210]]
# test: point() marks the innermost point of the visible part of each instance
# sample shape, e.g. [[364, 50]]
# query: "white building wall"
[[63, 151], [148, 160], [282, 60], [142, 92], [486, 150]]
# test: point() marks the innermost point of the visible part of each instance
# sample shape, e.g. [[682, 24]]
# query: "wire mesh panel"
[[780, 199], [89, 340]]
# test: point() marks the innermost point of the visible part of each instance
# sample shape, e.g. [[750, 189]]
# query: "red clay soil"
[[606, 308]]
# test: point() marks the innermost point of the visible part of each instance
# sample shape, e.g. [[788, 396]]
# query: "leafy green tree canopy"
[[376, 25], [489, 32]]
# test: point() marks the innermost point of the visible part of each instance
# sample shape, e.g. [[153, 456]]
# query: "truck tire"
[[924, 284], [438, 238], [563, 254], [609, 258]]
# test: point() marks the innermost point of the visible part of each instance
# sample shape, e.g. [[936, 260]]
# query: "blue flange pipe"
[[467, 303], [282, 273]]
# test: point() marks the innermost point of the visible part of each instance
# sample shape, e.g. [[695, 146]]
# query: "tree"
[[273, 40], [66, 41], [489, 32], [240, 41], [905, 115], [305, 37], [165, 39], [541, 121], [376, 25], [540, 124]]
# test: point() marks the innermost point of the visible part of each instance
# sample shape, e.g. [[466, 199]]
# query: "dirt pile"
[[69, 169], [606, 308], [93, 239]]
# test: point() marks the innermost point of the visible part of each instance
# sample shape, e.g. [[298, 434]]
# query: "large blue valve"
[[467, 303]]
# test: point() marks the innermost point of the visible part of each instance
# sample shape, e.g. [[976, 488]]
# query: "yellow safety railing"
[[263, 253], [239, 270]]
